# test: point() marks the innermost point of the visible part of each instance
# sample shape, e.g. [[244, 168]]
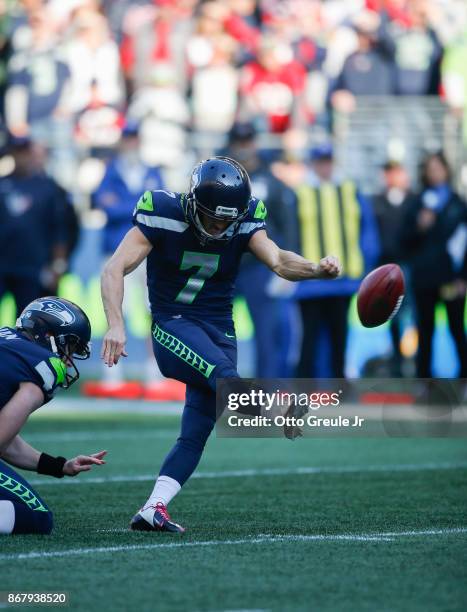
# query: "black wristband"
[[51, 466]]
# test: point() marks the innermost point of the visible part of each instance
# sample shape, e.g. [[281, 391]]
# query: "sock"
[[164, 491], [7, 516]]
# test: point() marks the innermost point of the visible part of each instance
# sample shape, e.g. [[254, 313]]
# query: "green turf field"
[[336, 524]]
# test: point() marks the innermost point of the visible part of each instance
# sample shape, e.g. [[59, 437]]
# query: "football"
[[380, 295]]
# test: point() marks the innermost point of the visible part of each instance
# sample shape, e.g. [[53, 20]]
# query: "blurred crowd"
[[70, 72], [106, 99]]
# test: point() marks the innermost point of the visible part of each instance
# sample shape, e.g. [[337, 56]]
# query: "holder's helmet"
[[219, 188], [60, 326]]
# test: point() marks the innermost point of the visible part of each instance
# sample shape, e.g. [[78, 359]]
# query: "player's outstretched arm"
[[289, 265], [16, 411], [19, 453], [22, 455], [132, 250]]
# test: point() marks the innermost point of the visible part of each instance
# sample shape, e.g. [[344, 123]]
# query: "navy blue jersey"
[[33, 219], [185, 277], [22, 360]]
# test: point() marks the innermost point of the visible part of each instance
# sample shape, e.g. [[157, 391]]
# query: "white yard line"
[[100, 435], [350, 469], [260, 539], [82, 406]]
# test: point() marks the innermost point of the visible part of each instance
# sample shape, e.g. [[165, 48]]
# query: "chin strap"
[[53, 344]]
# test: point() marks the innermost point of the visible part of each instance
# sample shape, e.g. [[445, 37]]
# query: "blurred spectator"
[[243, 24], [366, 72], [396, 10], [273, 85], [36, 103], [163, 113], [18, 16], [125, 179], [309, 45], [416, 51], [334, 219], [208, 25], [154, 34], [117, 10], [215, 87], [37, 80], [5, 47], [435, 237], [454, 78], [96, 87], [390, 208], [269, 314], [34, 221]]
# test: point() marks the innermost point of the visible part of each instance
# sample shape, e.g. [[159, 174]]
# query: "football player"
[[193, 243], [35, 359]]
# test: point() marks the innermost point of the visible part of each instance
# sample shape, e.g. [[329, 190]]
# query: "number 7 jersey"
[[184, 277]]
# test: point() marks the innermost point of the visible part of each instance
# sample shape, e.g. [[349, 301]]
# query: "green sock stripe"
[[25, 494], [177, 347]]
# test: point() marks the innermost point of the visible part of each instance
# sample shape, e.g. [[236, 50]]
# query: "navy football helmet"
[[60, 326], [220, 189]]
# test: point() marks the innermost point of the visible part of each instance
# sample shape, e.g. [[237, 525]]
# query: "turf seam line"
[[298, 471], [260, 539]]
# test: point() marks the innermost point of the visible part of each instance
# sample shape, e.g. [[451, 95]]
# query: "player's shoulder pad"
[[146, 202], [257, 211], [52, 370], [160, 203], [258, 208], [255, 219], [8, 333]]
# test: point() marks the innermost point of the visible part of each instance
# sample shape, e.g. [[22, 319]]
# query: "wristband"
[[51, 466]]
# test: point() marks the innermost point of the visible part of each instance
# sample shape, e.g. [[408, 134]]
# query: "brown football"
[[380, 295]]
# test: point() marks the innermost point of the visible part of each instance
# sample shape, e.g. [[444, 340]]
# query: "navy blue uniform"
[[22, 360], [34, 214], [191, 288]]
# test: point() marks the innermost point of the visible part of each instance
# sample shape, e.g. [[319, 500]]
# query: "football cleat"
[[155, 518]]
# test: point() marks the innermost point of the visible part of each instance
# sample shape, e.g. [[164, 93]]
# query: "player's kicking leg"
[[196, 355]]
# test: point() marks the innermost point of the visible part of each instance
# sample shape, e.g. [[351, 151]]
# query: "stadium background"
[[184, 72], [330, 524]]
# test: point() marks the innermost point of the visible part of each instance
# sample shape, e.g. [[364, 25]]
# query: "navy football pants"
[[31, 513], [196, 353]]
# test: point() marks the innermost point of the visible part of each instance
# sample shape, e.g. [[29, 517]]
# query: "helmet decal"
[[63, 328], [55, 308]]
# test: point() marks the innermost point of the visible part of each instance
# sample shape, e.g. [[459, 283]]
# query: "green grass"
[[413, 572]]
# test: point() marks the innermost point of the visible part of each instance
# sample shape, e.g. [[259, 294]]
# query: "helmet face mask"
[[203, 235], [68, 355], [220, 190], [69, 348], [60, 326]]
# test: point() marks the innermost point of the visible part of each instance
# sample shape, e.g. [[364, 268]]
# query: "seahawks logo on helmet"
[[57, 309]]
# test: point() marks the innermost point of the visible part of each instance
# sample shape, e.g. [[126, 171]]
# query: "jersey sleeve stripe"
[[246, 228], [162, 223], [46, 374]]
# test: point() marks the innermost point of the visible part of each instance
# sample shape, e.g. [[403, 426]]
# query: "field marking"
[[349, 469], [260, 539], [104, 435]]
